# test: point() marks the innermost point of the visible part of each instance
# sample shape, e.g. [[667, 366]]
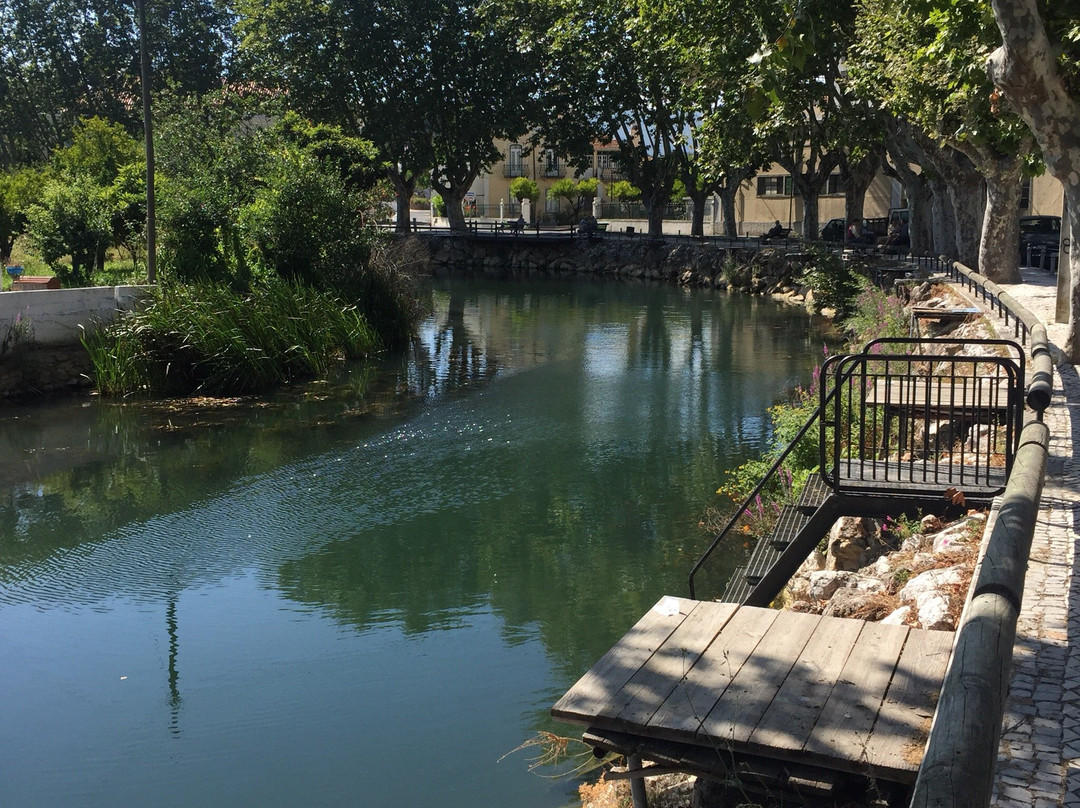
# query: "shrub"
[[834, 282], [211, 340]]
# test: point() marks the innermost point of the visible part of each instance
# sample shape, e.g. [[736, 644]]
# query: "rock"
[[931, 595], [933, 613], [800, 606], [930, 524], [899, 617], [847, 602], [915, 543], [957, 533], [824, 584], [853, 543]]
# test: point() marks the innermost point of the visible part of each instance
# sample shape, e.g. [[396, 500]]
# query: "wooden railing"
[[957, 769]]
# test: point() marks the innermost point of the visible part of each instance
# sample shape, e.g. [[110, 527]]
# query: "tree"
[[62, 60], [1036, 67], [432, 83], [929, 69], [639, 100], [578, 194], [522, 188]]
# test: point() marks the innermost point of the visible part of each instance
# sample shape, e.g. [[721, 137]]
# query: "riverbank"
[[909, 569]]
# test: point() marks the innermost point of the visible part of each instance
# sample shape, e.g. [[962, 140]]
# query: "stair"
[[807, 515]]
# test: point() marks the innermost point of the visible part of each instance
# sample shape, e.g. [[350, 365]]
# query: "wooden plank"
[[844, 725], [962, 394], [595, 689], [794, 711], [682, 712], [904, 721], [635, 703], [749, 694]]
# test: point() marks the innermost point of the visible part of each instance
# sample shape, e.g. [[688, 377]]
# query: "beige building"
[[760, 201]]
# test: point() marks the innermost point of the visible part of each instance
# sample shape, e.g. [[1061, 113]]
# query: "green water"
[[368, 591]]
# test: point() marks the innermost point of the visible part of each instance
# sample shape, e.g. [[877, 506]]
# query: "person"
[[519, 225], [775, 231], [588, 225], [855, 233]]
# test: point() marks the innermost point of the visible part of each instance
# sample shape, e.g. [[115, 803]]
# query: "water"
[[367, 591]]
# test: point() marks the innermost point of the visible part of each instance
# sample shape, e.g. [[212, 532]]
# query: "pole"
[[148, 134]]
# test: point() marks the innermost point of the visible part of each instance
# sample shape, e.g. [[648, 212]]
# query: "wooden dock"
[[833, 694]]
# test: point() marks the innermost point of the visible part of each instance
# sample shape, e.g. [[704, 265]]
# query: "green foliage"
[[876, 314], [579, 194], [522, 188], [438, 204], [211, 340], [833, 280], [304, 225], [98, 151], [623, 191], [73, 218], [18, 190]]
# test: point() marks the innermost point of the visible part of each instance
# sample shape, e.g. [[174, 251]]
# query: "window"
[[515, 163], [777, 185], [551, 164], [1025, 193], [834, 185], [608, 168]]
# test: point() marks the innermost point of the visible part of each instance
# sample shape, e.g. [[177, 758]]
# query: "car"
[[833, 231], [1038, 234]]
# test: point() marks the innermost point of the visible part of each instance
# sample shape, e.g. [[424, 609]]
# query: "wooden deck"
[[837, 694]]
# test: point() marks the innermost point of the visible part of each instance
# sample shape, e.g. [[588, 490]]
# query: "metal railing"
[[903, 423]]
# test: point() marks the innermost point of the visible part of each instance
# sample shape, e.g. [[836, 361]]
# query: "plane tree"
[[925, 62], [615, 73], [432, 83], [1036, 67]]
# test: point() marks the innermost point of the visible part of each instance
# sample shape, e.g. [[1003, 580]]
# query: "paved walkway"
[[1039, 758]]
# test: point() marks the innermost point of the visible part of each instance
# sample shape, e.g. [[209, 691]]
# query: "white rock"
[[898, 617], [934, 613], [956, 533], [930, 582]]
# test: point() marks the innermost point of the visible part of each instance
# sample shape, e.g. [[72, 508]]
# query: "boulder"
[[853, 543], [848, 602]]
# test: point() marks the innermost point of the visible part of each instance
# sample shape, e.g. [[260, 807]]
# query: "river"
[[368, 590]]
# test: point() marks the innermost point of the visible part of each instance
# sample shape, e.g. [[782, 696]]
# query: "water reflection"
[[511, 495]]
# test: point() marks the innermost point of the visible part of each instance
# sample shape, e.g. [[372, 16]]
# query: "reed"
[[209, 340]]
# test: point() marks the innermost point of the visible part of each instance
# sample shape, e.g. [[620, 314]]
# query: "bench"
[[30, 283]]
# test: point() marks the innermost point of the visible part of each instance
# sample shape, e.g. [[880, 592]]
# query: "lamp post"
[[148, 134]]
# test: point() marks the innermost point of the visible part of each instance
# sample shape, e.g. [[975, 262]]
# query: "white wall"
[[58, 316]]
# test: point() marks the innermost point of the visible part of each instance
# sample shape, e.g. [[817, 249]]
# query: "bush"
[[210, 340], [834, 282]]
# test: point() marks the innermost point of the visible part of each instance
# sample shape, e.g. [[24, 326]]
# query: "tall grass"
[[209, 340]]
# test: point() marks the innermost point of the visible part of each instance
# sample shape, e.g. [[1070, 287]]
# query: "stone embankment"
[[751, 271]]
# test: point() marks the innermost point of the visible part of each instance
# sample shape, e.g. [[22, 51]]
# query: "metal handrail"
[[742, 509]]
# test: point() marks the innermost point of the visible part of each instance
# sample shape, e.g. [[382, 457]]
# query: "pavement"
[[1039, 756]]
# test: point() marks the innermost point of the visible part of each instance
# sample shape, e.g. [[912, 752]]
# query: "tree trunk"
[[999, 247], [944, 218], [920, 216], [455, 216], [655, 213], [728, 193], [857, 177], [1025, 70], [697, 214], [808, 190], [967, 192], [404, 188]]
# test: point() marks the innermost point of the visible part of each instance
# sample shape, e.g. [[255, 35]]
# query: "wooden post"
[[637, 784]]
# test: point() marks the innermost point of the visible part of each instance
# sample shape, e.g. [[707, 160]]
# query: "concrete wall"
[[58, 316]]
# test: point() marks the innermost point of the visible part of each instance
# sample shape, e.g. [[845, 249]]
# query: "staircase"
[[797, 531]]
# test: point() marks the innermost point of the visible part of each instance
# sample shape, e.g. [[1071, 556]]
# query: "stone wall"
[[41, 332], [755, 271], [30, 370]]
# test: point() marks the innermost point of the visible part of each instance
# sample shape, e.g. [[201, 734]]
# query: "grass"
[[209, 340]]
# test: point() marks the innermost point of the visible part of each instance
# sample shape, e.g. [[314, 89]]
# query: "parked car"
[[1038, 234], [833, 231]]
